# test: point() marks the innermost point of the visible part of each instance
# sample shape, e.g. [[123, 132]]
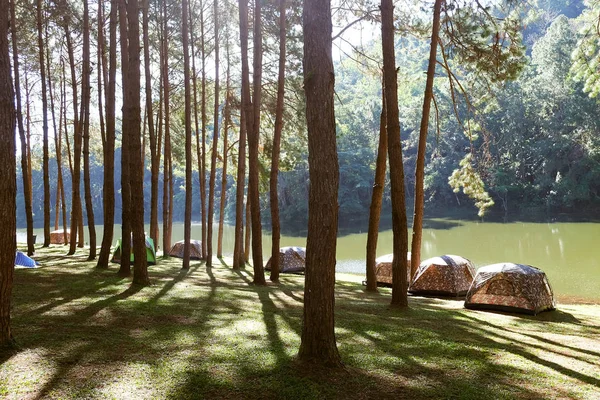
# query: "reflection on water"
[[569, 253]]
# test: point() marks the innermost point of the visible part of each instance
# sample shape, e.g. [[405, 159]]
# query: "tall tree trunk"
[[215, 142], [417, 230], [45, 166], [399, 224], [376, 200], [226, 125], [199, 154], [239, 257], [276, 149], [253, 139], [108, 190], [57, 144], [318, 338], [202, 161], [126, 149], [28, 132], [85, 106], [8, 183], [63, 96], [187, 224], [136, 167], [154, 160], [101, 70], [248, 232], [23, 141], [58, 147], [76, 209], [167, 172]]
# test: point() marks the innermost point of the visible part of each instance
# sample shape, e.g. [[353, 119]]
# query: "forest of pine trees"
[[135, 112]]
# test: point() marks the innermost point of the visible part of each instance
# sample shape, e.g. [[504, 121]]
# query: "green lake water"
[[569, 253]]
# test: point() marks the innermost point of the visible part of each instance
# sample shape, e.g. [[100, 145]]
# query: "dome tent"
[[511, 287], [447, 275], [22, 260], [383, 269], [58, 236], [291, 260], [150, 252], [195, 249]]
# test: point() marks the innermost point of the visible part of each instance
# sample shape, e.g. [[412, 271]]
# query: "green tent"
[[150, 252]]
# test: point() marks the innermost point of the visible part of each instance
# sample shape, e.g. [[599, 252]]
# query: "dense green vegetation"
[[208, 333]]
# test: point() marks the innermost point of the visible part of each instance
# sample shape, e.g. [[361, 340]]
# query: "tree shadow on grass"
[[428, 340], [220, 336], [79, 350], [183, 273]]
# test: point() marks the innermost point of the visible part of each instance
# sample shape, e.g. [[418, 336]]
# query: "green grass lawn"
[[211, 334]]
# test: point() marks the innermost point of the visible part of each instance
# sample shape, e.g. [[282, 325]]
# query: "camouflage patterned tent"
[[195, 249], [383, 269], [291, 260], [446, 275], [58, 236], [510, 287]]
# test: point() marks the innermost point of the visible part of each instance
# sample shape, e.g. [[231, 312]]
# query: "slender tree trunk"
[[248, 232], [253, 139], [63, 98], [187, 228], [28, 133], [76, 238], [417, 230], [215, 142], [65, 126], [45, 166], [154, 160], [202, 161], [199, 154], [144, 122], [276, 149], [126, 149], [376, 200], [160, 113], [101, 70], [57, 145], [8, 183], [132, 111], [85, 106], [226, 125], [318, 338], [76, 210], [239, 257], [23, 140], [167, 172], [399, 223], [108, 190]]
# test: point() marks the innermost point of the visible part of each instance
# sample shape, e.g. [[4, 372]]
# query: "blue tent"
[[22, 260]]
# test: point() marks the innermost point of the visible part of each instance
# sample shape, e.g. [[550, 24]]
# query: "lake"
[[568, 252]]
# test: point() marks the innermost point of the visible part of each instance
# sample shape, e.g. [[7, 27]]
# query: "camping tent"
[[150, 252], [21, 260], [58, 236], [291, 260], [447, 275], [510, 287], [195, 249], [383, 269]]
